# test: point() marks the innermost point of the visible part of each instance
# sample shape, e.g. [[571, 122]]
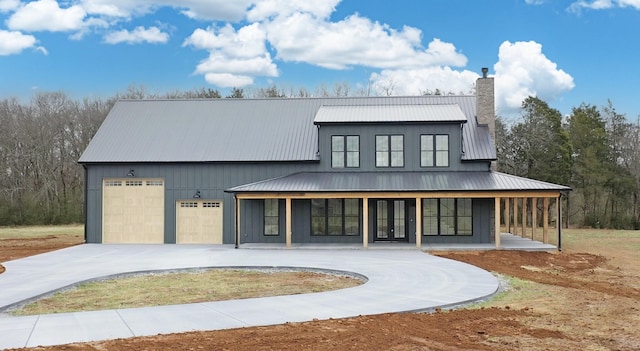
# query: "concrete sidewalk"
[[398, 280]]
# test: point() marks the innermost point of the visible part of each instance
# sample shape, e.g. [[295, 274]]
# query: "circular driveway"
[[398, 280]]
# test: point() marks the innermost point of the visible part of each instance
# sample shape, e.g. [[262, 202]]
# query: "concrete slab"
[[398, 280]]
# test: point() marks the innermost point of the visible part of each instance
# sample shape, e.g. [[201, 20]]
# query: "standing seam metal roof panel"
[[228, 130], [389, 114], [397, 181]]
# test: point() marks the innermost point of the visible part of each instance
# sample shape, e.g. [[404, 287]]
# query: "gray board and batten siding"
[[213, 145]]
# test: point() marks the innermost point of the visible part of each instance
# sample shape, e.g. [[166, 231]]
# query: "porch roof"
[[396, 182]]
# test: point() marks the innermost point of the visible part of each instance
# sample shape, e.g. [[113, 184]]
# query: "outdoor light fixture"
[[197, 194], [131, 173]]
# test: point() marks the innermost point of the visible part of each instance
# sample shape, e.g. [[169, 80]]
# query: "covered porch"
[[490, 194]]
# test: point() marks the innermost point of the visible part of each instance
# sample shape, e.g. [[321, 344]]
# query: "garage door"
[[199, 222], [133, 211]]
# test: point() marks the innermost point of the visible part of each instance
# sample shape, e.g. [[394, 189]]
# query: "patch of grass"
[[30, 232], [516, 292], [185, 287]]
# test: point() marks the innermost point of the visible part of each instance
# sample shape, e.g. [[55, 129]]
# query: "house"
[[301, 170]]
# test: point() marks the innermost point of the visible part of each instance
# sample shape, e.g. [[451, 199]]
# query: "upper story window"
[[389, 150], [434, 150], [345, 151]]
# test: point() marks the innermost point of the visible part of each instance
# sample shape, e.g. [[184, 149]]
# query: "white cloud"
[[268, 9], [12, 42], [419, 81], [630, 3], [578, 6], [46, 15], [248, 41], [138, 35], [235, 57], [355, 41], [9, 5], [228, 80], [219, 10], [534, 2], [523, 70]]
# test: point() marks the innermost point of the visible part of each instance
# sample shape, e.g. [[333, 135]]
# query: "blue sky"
[[565, 52]]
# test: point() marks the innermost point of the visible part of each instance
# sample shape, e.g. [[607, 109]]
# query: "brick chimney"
[[485, 106]]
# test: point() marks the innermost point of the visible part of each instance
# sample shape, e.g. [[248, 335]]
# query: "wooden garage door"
[[199, 222], [133, 211]]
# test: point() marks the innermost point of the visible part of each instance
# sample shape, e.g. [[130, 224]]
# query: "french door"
[[391, 220]]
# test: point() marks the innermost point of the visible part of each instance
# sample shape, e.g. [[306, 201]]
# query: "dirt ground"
[[587, 298]]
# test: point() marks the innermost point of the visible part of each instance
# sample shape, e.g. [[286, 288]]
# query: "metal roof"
[[389, 114], [397, 181], [227, 130]]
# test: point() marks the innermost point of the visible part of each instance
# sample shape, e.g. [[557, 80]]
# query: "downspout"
[[86, 196], [559, 222], [318, 146], [235, 200]]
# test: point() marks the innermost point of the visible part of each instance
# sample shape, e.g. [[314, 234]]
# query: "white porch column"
[[287, 216], [497, 222], [418, 222], [365, 222]]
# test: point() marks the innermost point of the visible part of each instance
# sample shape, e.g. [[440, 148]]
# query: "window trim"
[[345, 152], [343, 216], [276, 216], [438, 218], [434, 151], [389, 151]]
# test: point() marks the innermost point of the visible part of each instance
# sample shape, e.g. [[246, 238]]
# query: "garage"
[[133, 211], [199, 222]]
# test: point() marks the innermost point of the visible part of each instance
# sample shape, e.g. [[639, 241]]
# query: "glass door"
[[391, 220]]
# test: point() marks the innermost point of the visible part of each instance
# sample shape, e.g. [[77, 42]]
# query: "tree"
[[623, 186], [236, 93], [591, 160], [544, 149]]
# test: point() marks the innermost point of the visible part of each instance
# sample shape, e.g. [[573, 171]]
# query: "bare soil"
[[585, 298]]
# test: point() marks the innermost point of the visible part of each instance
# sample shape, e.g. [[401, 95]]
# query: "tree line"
[[594, 150]]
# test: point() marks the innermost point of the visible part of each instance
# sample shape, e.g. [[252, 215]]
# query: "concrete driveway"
[[398, 280]]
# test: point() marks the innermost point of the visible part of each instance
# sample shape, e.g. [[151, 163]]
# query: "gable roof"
[[237, 130], [397, 182], [389, 114]]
